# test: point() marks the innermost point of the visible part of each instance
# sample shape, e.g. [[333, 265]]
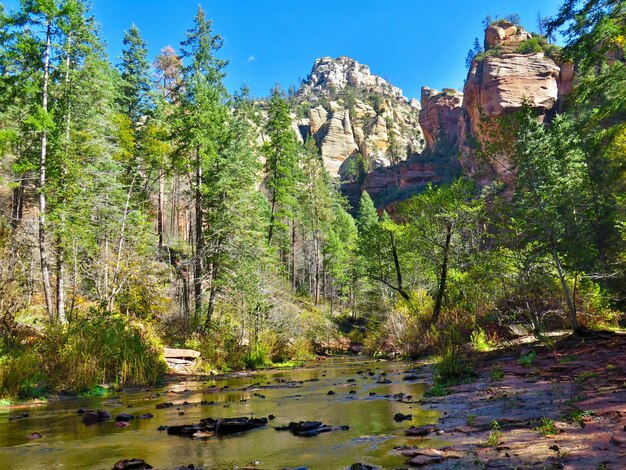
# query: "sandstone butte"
[[405, 144]]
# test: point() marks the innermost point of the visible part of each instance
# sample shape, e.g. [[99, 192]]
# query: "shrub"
[[454, 365], [479, 340], [19, 374], [101, 348], [526, 360], [546, 427], [497, 374], [494, 435], [530, 46]]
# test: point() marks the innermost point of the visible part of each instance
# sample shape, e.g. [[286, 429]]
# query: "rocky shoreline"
[[550, 406]]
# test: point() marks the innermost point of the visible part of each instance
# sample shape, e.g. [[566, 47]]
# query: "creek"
[[290, 395]]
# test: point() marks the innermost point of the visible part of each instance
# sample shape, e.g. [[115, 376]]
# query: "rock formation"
[[498, 83], [350, 113], [330, 75], [439, 119]]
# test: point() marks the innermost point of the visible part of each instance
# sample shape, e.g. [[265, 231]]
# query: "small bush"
[[546, 427], [494, 435], [577, 416], [527, 359], [530, 46], [479, 340], [497, 374], [19, 375], [584, 376], [437, 390], [453, 368], [257, 358]]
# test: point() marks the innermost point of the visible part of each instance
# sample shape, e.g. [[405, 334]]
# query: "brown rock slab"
[[421, 430], [427, 457]]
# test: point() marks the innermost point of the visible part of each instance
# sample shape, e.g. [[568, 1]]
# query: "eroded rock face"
[[349, 112], [504, 33], [329, 74], [393, 183], [498, 85], [439, 118], [337, 144]]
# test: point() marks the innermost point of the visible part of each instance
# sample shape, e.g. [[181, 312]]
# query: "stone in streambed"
[[421, 430], [124, 417], [132, 464], [34, 435], [92, 417], [426, 457], [18, 416], [398, 417]]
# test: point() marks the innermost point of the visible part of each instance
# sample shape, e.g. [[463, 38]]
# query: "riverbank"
[[560, 404]]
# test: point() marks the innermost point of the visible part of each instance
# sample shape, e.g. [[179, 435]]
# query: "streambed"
[[293, 395]]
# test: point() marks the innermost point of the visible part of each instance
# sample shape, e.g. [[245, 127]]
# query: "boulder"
[[132, 464]]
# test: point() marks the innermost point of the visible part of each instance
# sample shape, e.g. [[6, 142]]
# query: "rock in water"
[[124, 417], [132, 464], [18, 416], [398, 417], [421, 430]]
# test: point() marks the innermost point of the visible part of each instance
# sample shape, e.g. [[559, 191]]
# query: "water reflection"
[[303, 395]]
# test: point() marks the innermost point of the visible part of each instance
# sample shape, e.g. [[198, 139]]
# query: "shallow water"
[[67, 443]]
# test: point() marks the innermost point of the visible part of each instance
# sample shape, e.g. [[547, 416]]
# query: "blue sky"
[[411, 43]]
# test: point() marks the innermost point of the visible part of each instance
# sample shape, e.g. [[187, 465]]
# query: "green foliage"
[[438, 390], [20, 373], [495, 435], [135, 75], [530, 46], [100, 348], [547, 427], [527, 360], [497, 374], [78, 358], [479, 340], [577, 416], [584, 376]]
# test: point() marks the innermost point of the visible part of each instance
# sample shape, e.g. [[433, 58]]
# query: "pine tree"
[[200, 121], [135, 74], [281, 169], [367, 216]]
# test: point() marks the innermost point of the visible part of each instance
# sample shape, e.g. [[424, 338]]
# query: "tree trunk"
[[59, 248], [317, 269], [61, 282], [161, 203], [212, 298], [17, 205], [293, 255], [197, 272], [443, 276], [43, 249], [396, 263], [571, 306]]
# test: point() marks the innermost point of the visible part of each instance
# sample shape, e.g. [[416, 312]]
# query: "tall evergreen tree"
[[135, 73], [281, 169], [200, 122]]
